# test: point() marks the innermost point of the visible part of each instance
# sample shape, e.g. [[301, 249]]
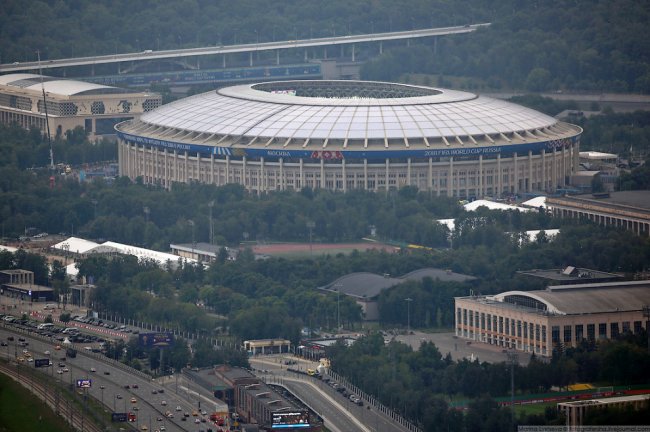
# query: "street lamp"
[[310, 225], [408, 301]]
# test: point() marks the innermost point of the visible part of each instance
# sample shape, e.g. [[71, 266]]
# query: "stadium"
[[344, 135]]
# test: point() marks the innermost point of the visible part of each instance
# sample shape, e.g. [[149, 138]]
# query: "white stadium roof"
[[55, 85], [349, 110]]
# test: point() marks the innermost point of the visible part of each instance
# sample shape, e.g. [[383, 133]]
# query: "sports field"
[[301, 250]]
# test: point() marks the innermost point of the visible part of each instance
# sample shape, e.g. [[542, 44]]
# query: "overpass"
[[148, 55]]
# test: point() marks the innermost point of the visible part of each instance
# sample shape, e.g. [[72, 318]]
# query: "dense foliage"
[[420, 383], [592, 45], [588, 44]]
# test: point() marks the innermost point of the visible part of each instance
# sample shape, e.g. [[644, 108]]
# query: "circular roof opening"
[[345, 89]]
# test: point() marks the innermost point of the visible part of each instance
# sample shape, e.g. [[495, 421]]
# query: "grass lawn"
[[22, 412]]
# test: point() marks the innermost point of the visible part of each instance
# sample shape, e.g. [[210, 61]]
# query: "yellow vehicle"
[[311, 372]]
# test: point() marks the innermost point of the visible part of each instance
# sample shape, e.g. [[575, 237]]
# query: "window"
[[537, 332], [579, 332], [500, 324], [507, 326], [544, 333], [465, 316], [614, 331], [637, 327], [567, 333], [626, 326], [591, 332], [489, 322], [555, 334], [525, 330], [518, 328], [602, 331]]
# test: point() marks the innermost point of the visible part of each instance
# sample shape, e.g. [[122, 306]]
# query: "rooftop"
[[571, 274], [56, 86]]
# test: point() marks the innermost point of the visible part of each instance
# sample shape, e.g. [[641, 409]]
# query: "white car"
[[46, 353], [163, 403], [178, 408], [92, 369]]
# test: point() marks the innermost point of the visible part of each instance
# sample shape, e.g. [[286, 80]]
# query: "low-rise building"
[[560, 316]]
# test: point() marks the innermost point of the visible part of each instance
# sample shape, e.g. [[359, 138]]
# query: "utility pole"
[[210, 205], [310, 225], [408, 301]]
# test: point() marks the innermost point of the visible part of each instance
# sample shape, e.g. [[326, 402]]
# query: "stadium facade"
[[343, 135], [70, 103]]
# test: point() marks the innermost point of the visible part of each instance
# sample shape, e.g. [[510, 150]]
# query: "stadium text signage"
[[84, 383], [520, 149]]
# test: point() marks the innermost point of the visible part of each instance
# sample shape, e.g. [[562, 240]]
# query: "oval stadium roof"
[[350, 110]]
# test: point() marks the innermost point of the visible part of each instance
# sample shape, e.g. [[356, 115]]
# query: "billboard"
[[84, 383], [41, 362], [160, 339], [286, 420]]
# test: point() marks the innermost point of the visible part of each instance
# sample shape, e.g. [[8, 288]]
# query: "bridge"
[[149, 55]]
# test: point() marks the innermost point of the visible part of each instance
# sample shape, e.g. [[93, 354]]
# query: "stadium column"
[[554, 170], [302, 175], [165, 170], [244, 179], [345, 189], [262, 178], [211, 168], [499, 176], [277, 57], [531, 175], [175, 176], [480, 176], [450, 179], [281, 174], [227, 180], [544, 187], [322, 173], [564, 165], [250, 59], [430, 176], [365, 174], [408, 171], [387, 174], [185, 163], [198, 167], [576, 156], [516, 160]]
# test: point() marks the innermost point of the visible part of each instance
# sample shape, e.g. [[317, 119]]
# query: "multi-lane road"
[[146, 398]]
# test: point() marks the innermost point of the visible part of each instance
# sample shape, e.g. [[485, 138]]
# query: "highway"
[[240, 48], [108, 384], [338, 412]]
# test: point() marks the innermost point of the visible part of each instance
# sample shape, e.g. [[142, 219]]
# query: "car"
[[159, 419], [65, 369], [163, 428], [161, 391], [107, 373], [163, 403], [118, 396], [135, 386], [59, 371], [195, 413], [186, 414], [135, 408], [169, 414], [87, 348], [29, 359], [21, 339], [61, 365], [10, 338], [197, 421], [127, 386], [92, 369], [178, 408], [204, 412], [3, 343], [134, 400], [154, 391], [144, 427]]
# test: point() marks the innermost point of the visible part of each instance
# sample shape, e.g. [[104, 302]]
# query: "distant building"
[[628, 210], [203, 252], [364, 287], [543, 321], [20, 283], [571, 275], [267, 346], [70, 103], [576, 411], [257, 403]]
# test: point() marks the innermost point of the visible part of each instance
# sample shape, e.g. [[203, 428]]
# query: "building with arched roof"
[[560, 316], [342, 135], [70, 103]]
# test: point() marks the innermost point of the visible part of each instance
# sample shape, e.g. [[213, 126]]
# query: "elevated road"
[[241, 48]]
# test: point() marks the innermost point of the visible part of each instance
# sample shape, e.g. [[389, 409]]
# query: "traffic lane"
[[80, 368]]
